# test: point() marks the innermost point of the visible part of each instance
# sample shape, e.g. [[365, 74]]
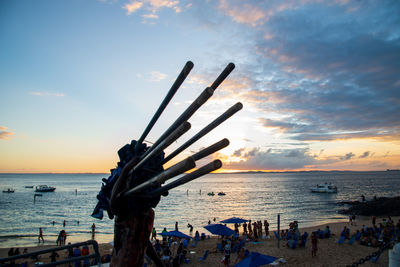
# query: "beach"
[[330, 253]]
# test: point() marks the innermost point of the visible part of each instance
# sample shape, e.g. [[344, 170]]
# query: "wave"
[[17, 236]]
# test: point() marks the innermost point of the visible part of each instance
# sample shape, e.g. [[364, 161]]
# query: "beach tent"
[[219, 229], [234, 220], [255, 259], [175, 234]]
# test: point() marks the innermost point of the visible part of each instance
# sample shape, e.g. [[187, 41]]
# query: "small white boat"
[[44, 188], [324, 188]]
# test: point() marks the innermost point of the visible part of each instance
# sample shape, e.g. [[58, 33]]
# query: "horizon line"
[[235, 172]]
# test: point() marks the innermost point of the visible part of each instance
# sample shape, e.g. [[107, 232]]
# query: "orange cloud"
[[132, 7], [153, 5], [4, 134], [245, 13]]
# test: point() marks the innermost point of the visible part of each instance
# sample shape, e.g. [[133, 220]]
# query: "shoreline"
[[329, 252], [30, 240]]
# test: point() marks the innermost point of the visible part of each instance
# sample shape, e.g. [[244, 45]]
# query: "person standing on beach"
[[266, 226], [249, 228], [153, 234], [63, 235], [93, 230], [314, 243], [176, 226], [40, 235], [59, 239]]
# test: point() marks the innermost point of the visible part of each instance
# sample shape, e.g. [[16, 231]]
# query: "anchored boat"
[[44, 188], [324, 188]]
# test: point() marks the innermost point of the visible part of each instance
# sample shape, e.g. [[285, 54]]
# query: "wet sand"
[[329, 252]]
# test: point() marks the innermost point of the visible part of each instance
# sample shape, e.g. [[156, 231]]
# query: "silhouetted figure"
[[40, 235]]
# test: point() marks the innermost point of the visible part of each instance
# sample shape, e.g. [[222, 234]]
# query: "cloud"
[[4, 134], [47, 94], [324, 70], [244, 12], [366, 154], [150, 16], [347, 156], [152, 5], [156, 76], [132, 7], [272, 159]]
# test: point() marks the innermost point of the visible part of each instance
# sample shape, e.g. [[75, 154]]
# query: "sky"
[[319, 81]]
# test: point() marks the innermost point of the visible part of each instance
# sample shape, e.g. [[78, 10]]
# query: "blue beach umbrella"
[[219, 229], [234, 220], [255, 259], [175, 234]]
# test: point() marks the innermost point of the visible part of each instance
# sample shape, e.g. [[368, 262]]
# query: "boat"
[[28, 186], [44, 188], [211, 194], [324, 188], [221, 194], [9, 190]]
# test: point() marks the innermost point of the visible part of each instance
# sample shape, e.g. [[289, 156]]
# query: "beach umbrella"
[[234, 220], [175, 234], [219, 229], [255, 259]]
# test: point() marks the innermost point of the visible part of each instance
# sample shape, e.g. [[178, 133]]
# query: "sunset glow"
[[319, 82]]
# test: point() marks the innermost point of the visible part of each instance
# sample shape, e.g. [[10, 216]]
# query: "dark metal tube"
[[228, 69], [178, 82], [212, 166], [200, 100], [183, 128], [159, 179], [227, 114], [211, 149]]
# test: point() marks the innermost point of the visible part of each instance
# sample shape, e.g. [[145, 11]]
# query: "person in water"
[[190, 227], [131, 229]]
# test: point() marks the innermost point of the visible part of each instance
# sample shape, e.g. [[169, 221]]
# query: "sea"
[[255, 196]]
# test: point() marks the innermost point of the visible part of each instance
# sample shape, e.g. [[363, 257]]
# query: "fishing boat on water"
[[44, 188], [324, 188], [9, 190], [221, 194]]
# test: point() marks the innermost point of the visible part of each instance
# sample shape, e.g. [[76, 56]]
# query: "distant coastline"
[[238, 172], [315, 171]]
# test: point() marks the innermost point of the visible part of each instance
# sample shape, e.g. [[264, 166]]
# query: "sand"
[[329, 252]]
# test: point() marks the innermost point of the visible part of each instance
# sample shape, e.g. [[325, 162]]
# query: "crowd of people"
[[375, 235], [254, 230], [175, 251], [171, 250]]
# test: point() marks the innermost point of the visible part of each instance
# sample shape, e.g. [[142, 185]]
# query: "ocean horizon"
[[250, 195]]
